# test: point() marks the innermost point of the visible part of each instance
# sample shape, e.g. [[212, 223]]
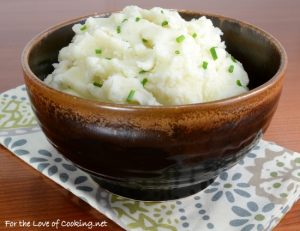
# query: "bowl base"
[[146, 194]]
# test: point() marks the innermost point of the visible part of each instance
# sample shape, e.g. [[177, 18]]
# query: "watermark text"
[[56, 224]]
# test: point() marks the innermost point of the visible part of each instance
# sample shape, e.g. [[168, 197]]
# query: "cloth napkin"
[[253, 195]]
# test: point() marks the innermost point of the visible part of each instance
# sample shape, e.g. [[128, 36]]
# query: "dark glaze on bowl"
[[158, 152]]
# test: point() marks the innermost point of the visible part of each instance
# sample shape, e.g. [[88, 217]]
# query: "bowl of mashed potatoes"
[[154, 104]]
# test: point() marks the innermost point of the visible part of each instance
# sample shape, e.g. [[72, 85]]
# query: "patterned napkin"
[[253, 195]]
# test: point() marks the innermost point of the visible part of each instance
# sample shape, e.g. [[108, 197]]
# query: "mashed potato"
[[148, 57]]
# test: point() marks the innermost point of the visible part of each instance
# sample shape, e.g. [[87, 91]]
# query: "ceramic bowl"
[[158, 152]]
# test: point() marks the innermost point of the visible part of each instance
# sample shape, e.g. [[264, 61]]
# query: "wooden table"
[[26, 194]]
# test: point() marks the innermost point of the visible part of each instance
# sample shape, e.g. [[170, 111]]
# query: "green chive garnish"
[[144, 81], [162, 12], [180, 38], [124, 20], [108, 58], [213, 53], [142, 71], [137, 19], [230, 68], [83, 28], [238, 82], [97, 84], [130, 96], [147, 43], [233, 59], [177, 52], [98, 51], [118, 29], [204, 65], [164, 23], [194, 35]]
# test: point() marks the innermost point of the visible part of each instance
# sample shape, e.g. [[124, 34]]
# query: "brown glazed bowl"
[[158, 152]]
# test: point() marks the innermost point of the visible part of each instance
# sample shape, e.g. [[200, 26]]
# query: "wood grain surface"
[[27, 195]]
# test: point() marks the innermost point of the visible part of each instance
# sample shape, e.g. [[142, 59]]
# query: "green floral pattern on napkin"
[[253, 195], [15, 110]]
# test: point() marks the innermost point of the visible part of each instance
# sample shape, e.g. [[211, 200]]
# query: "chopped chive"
[[96, 84], [142, 71], [177, 52], [238, 82], [204, 65], [164, 23], [180, 38], [162, 12], [147, 43], [144, 81], [194, 35], [124, 20], [83, 28], [233, 59], [98, 51], [108, 58], [137, 19], [213, 53], [118, 29], [130, 96], [230, 68]]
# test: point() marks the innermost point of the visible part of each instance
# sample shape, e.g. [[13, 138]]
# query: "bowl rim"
[[230, 100]]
